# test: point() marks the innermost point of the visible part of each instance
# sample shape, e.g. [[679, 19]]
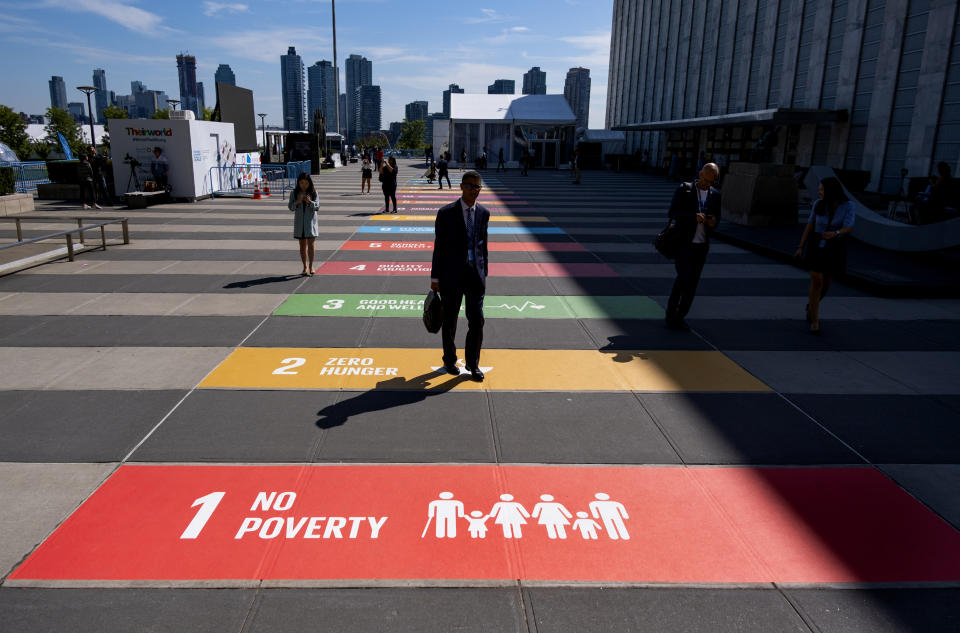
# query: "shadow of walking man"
[[394, 392]]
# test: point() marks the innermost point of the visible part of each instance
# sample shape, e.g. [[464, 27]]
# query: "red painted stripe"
[[400, 245], [524, 269], [716, 525]]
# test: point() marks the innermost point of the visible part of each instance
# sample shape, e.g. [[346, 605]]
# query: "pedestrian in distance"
[[160, 168], [443, 171], [500, 164], [366, 173], [388, 180], [98, 163], [575, 166], [831, 220], [431, 173], [304, 204], [379, 158], [87, 194], [524, 162], [459, 272], [483, 158], [463, 158], [696, 210]]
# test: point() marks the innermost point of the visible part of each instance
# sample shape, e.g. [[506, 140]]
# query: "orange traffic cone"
[[266, 189], [256, 191]]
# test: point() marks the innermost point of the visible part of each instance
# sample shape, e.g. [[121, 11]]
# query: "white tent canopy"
[[525, 109]]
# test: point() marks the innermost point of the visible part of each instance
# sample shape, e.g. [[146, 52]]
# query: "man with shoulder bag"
[[695, 211]]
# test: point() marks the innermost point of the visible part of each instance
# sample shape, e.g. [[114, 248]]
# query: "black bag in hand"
[[433, 312], [667, 242]]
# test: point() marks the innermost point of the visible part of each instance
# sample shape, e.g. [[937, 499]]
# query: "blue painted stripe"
[[494, 230]]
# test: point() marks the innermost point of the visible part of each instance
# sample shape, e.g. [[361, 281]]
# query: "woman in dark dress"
[[831, 220], [303, 202], [388, 178]]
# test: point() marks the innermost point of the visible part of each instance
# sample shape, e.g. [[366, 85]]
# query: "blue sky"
[[417, 48]]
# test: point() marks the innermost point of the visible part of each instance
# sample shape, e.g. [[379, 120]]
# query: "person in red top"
[[379, 158]]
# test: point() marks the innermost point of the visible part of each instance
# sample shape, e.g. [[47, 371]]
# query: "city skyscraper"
[[77, 111], [58, 93], [359, 73], [187, 72], [101, 99], [416, 111], [453, 89], [224, 75], [367, 112], [502, 87], [201, 100], [577, 91], [322, 93], [535, 82], [294, 95]]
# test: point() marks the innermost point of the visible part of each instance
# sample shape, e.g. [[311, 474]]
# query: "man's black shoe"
[[475, 373], [453, 370]]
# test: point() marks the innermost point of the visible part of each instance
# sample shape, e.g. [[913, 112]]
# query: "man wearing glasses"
[[696, 210], [459, 272]]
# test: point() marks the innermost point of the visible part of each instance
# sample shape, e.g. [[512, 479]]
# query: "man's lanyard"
[[701, 202]]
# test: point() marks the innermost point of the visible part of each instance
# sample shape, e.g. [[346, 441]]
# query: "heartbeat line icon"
[[526, 304]]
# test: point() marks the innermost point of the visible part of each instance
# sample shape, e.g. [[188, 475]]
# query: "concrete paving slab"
[[116, 254], [28, 610], [213, 304], [889, 429], [818, 372], [879, 610], [409, 426], [242, 245], [125, 331], [618, 334], [78, 426], [37, 498], [283, 331], [654, 610], [576, 428], [714, 271], [241, 426], [69, 368], [743, 429], [610, 286], [925, 372], [423, 610], [833, 309], [497, 333], [934, 484]]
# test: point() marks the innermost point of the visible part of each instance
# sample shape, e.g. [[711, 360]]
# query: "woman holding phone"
[[303, 202]]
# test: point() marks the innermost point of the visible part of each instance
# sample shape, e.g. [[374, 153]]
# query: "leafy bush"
[[8, 181]]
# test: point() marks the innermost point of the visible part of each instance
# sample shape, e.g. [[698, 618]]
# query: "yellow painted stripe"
[[506, 370], [425, 217]]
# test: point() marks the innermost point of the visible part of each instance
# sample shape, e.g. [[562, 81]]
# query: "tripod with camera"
[[134, 179]]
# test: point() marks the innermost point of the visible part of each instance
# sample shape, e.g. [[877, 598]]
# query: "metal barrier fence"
[[244, 181], [29, 174]]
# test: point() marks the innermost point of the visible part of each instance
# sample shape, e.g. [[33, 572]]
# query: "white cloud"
[[213, 8], [97, 55], [133, 18], [489, 16], [594, 41], [512, 33], [250, 44]]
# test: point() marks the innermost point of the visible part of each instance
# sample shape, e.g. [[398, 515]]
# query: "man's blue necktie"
[[470, 232]]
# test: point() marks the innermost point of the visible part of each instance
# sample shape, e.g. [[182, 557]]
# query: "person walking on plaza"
[[443, 171], [575, 166], [160, 168], [500, 164], [459, 272], [388, 178], [524, 162], [831, 219], [366, 173], [696, 210], [87, 193], [304, 204], [431, 173], [463, 158]]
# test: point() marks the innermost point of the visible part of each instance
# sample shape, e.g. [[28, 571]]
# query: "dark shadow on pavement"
[[405, 391], [261, 281]]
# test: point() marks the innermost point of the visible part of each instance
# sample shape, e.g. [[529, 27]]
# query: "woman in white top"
[[366, 173]]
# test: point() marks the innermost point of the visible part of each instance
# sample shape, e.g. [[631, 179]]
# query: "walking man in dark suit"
[[459, 272], [696, 210]]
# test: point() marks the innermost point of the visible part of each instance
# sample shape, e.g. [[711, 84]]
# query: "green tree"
[[207, 113], [60, 121], [13, 132], [161, 114], [41, 148], [411, 135], [112, 112]]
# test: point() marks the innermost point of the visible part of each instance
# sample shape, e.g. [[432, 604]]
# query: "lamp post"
[[174, 102], [89, 90], [336, 70], [263, 131]]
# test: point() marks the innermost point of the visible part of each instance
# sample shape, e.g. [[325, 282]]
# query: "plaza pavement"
[[775, 481]]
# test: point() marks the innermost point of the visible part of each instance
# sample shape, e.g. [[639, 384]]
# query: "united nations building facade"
[[871, 85]]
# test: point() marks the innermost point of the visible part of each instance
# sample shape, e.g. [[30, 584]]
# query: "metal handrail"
[[68, 233]]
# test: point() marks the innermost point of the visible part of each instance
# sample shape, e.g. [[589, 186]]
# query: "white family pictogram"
[[446, 511]]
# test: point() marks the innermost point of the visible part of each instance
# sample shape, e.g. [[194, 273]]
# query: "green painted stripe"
[[494, 307]]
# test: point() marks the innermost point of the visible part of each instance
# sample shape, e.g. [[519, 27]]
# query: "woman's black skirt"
[[829, 259]]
